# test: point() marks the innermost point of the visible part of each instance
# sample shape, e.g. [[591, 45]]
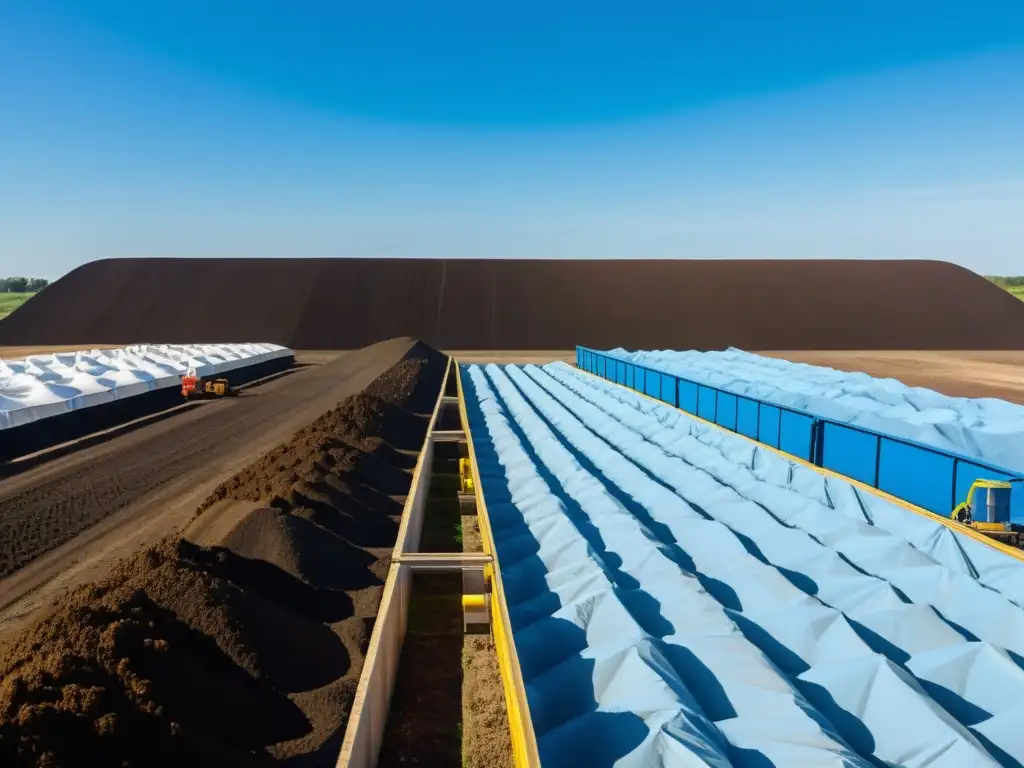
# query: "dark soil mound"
[[526, 304], [239, 646], [150, 667]]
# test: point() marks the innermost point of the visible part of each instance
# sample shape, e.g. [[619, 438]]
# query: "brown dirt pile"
[[526, 304], [240, 642]]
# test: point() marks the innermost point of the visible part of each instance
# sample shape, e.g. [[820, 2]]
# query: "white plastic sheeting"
[[39, 386], [680, 596], [984, 428]]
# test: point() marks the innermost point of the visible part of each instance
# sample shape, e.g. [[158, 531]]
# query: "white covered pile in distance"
[[982, 428], [40, 386]]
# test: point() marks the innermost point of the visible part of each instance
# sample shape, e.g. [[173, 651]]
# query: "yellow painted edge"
[[956, 527], [524, 740]]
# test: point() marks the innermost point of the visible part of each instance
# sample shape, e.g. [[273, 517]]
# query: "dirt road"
[[955, 373], [66, 521]]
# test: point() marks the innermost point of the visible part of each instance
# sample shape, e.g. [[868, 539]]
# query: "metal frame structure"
[[483, 597]]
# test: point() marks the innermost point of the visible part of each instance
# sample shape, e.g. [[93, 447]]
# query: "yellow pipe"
[[471, 602], [1004, 548], [524, 740]]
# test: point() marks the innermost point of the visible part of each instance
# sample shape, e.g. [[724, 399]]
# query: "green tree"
[[16, 284]]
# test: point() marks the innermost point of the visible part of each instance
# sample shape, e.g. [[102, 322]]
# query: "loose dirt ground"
[[955, 373], [65, 521], [16, 352], [239, 643]]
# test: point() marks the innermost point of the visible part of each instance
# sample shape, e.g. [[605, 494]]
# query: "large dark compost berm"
[[524, 304]]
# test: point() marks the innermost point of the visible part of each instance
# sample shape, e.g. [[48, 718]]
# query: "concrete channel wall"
[[365, 730]]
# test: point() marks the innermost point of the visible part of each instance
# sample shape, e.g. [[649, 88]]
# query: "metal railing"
[[923, 475]]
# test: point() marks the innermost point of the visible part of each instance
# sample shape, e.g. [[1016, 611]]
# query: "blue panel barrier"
[[726, 410], [687, 396], [653, 382], [707, 402], [668, 388], [851, 452], [796, 434], [921, 476], [929, 477], [747, 412], [768, 424]]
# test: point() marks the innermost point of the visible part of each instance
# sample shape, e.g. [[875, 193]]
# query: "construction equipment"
[[997, 523], [465, 476], [195, 388]]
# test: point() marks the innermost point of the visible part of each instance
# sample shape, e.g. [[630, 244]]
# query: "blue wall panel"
[[688, 396], [795, 434], [746, 418], [928, 478], [727, 410], [706, 402], [668, 388], [768, 424], [920, 476], [849, 452], [652, 381]]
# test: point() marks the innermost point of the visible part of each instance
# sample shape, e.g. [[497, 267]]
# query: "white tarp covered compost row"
[[39, 386], [681, 597], [984, 428]]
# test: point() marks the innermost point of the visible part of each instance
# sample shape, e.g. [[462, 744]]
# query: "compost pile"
[[527, 304], [239, 642]]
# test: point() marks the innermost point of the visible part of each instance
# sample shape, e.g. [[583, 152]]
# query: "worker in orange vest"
[[189, 382]]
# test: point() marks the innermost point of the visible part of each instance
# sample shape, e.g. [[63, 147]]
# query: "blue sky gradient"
[[680, 130]]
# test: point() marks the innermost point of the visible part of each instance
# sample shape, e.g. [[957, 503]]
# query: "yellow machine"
[[193, 388], [465, 476], [997, 525]]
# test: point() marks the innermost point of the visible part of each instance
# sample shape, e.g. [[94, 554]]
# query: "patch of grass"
[[11, 301], [1012, 285]]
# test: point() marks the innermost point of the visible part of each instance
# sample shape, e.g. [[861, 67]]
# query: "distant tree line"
[[1008, 282], [22, 284]]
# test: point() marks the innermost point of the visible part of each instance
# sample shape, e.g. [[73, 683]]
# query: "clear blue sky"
[[748, 128]]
